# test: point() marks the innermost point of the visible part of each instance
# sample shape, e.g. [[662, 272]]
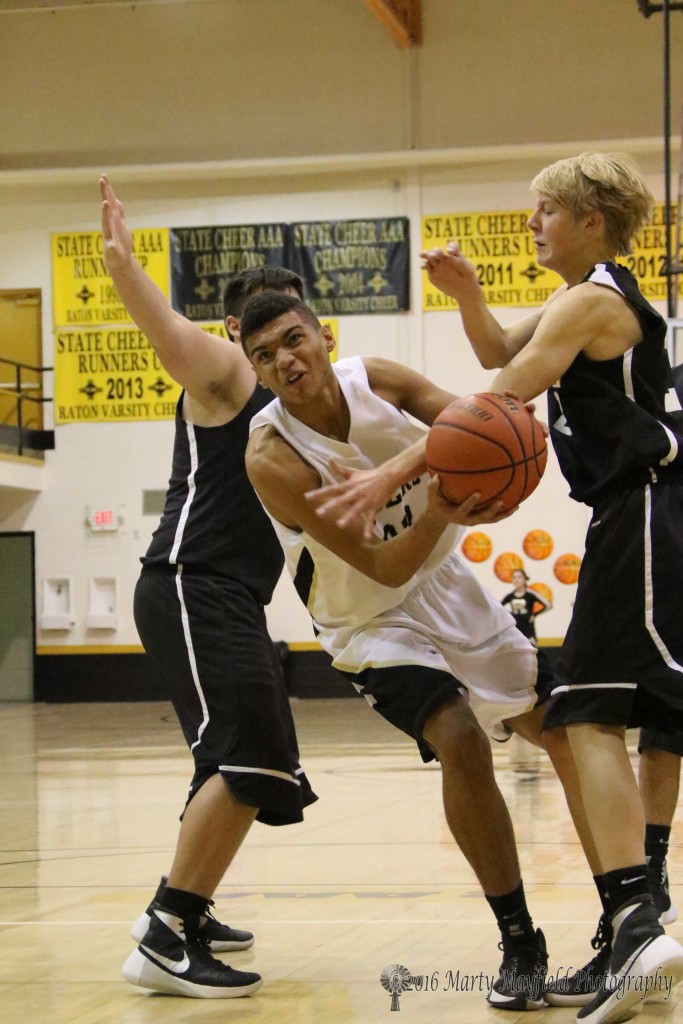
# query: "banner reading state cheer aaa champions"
[[348, 266], [202, 259], [352, 266]]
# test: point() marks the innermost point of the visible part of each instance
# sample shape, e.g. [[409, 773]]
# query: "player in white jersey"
[[432, 652]]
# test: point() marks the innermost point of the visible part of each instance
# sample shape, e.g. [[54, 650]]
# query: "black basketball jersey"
[[522, 610], [609, 421], [212, 519]]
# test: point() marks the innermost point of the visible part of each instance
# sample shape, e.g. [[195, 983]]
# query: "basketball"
[[537, 544], [505, 565], [487, 443], [567, 567], [477, 547]]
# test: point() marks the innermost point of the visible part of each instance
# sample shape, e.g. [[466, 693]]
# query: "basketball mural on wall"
[[544, 590], [566, 568], [537, 544], [477, 547], [505, 565]]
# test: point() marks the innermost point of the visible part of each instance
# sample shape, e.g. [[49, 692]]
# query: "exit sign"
[[102, 519]]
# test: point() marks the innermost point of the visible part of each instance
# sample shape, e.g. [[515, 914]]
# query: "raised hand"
[[450, 271], [118, 240]]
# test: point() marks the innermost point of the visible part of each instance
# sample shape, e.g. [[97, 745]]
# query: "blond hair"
[[608, 182]]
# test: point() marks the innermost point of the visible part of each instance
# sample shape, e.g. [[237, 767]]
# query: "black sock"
[[601, 886], [512, 914], [183, 904], [657, 841], [626, 884]]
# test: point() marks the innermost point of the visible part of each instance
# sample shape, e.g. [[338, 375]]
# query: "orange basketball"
[[567, 567], [487, 443], [477, 547], [544, 590], [505, 565], [537, 544]]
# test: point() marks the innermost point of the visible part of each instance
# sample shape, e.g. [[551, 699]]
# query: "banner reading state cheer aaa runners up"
[[501, 247], [109, 375], [112, 375], [82, 291]]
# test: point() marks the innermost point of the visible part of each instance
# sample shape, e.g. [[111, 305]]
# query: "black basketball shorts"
[[406, 696], [622, 659], [654, 739], [207, 640]]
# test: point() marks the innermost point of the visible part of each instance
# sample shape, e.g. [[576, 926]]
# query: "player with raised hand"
[[598, 348], [211, 567]]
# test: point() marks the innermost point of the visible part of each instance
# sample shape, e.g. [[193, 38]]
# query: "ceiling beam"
[[401, 18]]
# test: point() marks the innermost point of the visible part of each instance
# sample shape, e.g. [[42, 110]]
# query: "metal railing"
[[19, 436]]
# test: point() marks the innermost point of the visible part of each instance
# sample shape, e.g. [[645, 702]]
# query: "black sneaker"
[[221, 938], [644, 961], [521, 980], [658, 881], [173, 959], [579, 988]]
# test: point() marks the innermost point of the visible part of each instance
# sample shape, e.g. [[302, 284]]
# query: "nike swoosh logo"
[[175, 966], [627, 881]]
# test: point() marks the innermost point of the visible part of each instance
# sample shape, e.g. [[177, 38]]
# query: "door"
[[17, 616], [21, 341]]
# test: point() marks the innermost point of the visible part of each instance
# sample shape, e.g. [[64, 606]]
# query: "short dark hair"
[[264, 307], [241, 286]]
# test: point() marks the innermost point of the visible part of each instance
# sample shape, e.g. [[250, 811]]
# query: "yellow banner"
[[82, 291], [112, 375], [648, 259], [501, 247]]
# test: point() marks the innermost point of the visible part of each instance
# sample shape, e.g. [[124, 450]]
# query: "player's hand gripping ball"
[[487, 443]]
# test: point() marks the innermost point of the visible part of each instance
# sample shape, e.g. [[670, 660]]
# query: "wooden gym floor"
[[90, 795]]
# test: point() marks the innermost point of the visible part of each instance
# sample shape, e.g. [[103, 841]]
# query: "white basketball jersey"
[[337, 596]]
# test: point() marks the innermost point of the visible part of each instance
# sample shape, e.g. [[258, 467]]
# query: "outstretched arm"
[[587, 318], [200, 362], [493, 345]]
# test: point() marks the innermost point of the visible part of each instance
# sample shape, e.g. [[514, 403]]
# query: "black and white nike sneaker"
[[658, 881], [221, 938], [580, 987], [644, 962], [173, 958], [521, 980]]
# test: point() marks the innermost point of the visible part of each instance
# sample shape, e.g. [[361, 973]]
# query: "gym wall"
[[249, 111]]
